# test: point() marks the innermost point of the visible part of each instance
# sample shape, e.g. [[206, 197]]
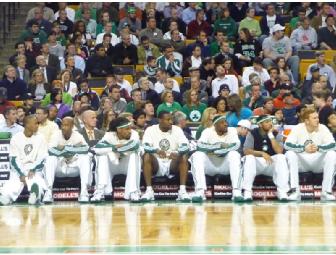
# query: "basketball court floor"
[[169, 227]]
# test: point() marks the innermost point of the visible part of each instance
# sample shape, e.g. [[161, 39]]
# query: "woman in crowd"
[[283, 68], [206, 121], [193, 107], [37, 85], [221, 105], [56, 100], [236, 111], [108, 116], [168, 104], [68, 85]]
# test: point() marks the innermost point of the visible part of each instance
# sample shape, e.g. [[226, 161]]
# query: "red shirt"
[[4, 105], [194, 29]]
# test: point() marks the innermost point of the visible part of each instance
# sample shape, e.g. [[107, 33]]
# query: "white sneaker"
[[198, 196], [326, 196], [148, 196], [84, 198], [294, 196], [248, 196], [34, 195], [4, 200], [134, 197], [183, 196], [282, 196], [237, 195], [48, 197], [98, 196]]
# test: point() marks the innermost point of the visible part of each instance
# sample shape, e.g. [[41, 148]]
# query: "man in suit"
[[49, 72], [90, 133], [51, 59]]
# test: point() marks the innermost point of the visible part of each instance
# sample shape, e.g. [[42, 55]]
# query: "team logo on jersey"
[[195, 115], [164, 145], [28, 148]]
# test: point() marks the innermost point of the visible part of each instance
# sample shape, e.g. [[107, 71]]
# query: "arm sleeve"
[[291, 143], [327, 140], [147, 141]]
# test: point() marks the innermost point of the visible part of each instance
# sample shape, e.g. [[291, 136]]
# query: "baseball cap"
[[3, 92], [277, 27], [224, 87], [245, 124], [285, 86], [314, 68], [28, 96]]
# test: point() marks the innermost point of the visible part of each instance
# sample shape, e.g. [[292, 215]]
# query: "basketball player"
[[68, 157], [118, 153], [27, 152], [263, 155], [311, 147], [217, 153], [166, 149]]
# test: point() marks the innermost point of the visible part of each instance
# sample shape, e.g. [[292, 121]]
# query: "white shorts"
[[164, 167]]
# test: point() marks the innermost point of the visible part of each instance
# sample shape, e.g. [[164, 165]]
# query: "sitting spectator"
[[304, 37], [250, 23], [324, 69], [90, 23], [38, 36], [274, 82], [10, 124], [79, 61], [289, 109], [125, 51], [93, 96], [225, 53], [52, 115], [85, 7], [37, 85], [236, 111], [327, 35], [195, 84], [69, 86], [279, 100], [154, 34], [44, 24], [168, 103], [207, 70], [85, 37], [107, 30], [136, 102], [54, 47], [258, 69], [268, 21], [70, 13], [246, 49], [180, 120], [228, 68], [224, 91], [256, 99], [104, 21], [206, 121], [279, 45], [111, 8], [4, 103], [202, 40], [48, 14], [298, 20], [108, 116], [151, 68], [16, 88], [284, 69], [174, 14], [195, 60], [320, 20], [173, 26], [126, 30], [130, 20], [169, 63], [197, 25], [238, 10], [99, 65], [168, 85], [308, 84], [20, 50], [28, 104], [324, 110], [221, 78], [266, 109], [118, 103], [226, 24], [139, 117], [109, 49], [189, 13], [76, 74], [221, 105], [21, 114], [60, 37], [332, 124], [51, 59], [49, 73], [148, 94], [216, 43], [66, 24], [121, 81], [150, 114], [21, 71], [193, 107], [66, 97], [123, 11], [146, 49], [56, 100]]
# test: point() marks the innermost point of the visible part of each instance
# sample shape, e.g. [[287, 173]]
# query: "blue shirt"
[[232, 118], [16, 128]]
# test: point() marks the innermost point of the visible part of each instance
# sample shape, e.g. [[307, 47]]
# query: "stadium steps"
[[16, 28]]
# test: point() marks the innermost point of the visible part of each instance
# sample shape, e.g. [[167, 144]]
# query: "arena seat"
[[96, 82], [126, 69], [98, 90], [329, 55], [258, 18], [179, 79], [189, 41], [17, 103], [74, 6], [139, 68], [304, 64], [129, 78]]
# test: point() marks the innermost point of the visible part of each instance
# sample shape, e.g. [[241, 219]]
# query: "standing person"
[[311, 147], [27, 152], [68, 157], [166, 149], [263, 155], [217, 154], [118, 153]]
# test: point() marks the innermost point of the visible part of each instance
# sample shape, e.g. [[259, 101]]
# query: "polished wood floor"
[[169, 227]]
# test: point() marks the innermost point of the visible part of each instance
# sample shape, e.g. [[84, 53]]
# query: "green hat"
[[131, 10]]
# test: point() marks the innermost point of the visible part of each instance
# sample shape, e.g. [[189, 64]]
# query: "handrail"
[[9, 12]]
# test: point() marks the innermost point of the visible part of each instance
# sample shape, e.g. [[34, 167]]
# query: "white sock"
[[182, 188], [149, 188]]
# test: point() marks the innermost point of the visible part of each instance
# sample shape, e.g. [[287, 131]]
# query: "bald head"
[[30, 124], [89, 118], [67, 126]]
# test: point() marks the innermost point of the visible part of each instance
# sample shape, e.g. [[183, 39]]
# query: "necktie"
[[90, 134]]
